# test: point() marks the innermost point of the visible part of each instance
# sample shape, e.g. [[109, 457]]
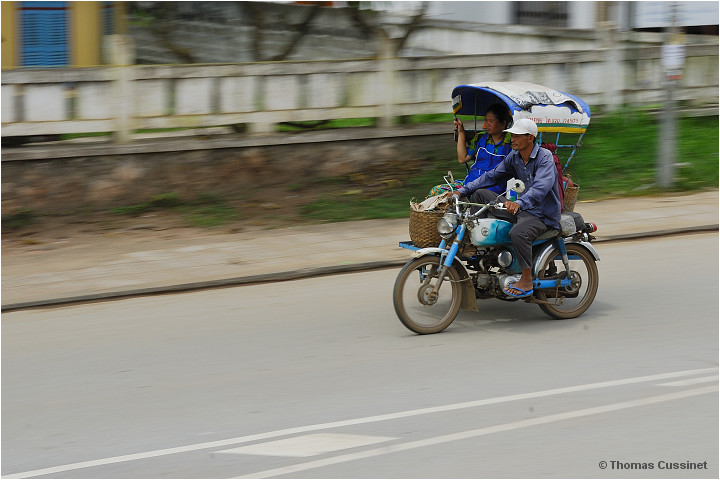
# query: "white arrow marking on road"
[[309, 445], [477, 433]]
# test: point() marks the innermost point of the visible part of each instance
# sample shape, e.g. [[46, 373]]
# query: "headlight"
[[447, 225]]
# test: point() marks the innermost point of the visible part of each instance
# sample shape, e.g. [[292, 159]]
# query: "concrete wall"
[[68, 178]]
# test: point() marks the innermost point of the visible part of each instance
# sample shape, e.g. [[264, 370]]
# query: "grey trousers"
[[526, 229]]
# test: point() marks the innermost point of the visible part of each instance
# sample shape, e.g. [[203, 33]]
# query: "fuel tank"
[[490, 231]]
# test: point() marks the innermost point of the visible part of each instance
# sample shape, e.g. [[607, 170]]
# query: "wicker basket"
[[571, 194], [423, 228]]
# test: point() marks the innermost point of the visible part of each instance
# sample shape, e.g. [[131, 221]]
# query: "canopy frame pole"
[[572, 154]]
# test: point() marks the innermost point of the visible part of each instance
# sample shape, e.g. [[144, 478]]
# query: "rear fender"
[[547, 250]]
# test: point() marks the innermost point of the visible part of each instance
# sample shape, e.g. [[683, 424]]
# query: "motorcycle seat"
[[550, 234]]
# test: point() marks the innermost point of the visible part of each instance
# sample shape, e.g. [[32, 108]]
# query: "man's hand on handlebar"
[[511, 207], [448, 195]]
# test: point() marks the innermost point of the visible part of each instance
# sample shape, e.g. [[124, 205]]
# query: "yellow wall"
[[10, 35], [86, 35]]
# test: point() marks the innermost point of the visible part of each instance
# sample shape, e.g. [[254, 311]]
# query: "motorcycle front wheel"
[[572, 301], [416, 304]]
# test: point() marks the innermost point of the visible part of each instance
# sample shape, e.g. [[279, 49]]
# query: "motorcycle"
[[475, 260]]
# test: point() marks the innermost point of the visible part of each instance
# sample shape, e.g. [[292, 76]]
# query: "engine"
[[492, 275], [498, 257]]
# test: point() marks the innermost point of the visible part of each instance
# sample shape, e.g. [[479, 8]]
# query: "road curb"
[[205, 285], [292, 275]]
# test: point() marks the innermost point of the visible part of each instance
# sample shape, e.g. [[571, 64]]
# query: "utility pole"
[[673, 58]]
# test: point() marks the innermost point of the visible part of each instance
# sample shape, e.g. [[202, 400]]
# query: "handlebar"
[[485, 206], [512, 184]]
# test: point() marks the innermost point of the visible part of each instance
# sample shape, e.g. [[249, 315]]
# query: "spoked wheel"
[[417, 305], [571, 301]]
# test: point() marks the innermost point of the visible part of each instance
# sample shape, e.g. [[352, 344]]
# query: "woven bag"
[[423, 228]]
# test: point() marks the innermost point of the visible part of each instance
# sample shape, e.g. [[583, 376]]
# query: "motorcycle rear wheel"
[[577, 298], [413, 301]]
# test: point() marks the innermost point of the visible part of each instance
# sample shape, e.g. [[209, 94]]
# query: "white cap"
[[523, 125]]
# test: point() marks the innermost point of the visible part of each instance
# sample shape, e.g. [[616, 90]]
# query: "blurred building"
[[219, 32], [699, 17], [62, 33], [70, 33]]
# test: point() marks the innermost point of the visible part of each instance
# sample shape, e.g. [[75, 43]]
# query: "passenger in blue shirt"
[[488, 149], [536, 210]]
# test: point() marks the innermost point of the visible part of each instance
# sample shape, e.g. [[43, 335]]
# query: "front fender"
[[427, 251], [468, 301], [545, 253]]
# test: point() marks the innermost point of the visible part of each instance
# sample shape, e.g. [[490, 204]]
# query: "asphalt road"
[[318, 379]]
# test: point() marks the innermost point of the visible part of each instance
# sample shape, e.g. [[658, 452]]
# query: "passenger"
[[536, 210], [487, 149]]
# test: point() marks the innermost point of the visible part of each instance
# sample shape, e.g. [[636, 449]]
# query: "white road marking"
[[291, 469], [690, 381], [356, 421], [309, 445]]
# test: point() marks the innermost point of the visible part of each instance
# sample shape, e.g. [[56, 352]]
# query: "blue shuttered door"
[[44, 34], [108, 16]]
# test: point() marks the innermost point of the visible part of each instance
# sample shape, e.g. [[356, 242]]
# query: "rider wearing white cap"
[[536, 210]]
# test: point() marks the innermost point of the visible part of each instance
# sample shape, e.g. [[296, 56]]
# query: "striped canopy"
[[551, 110]]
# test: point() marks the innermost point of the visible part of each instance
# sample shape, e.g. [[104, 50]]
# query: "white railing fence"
[[123, 99]]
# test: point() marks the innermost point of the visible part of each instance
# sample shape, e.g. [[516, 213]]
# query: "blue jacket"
[[486, 157], [540, 197]]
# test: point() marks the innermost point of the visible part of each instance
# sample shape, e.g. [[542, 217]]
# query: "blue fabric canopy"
[[551, 110]]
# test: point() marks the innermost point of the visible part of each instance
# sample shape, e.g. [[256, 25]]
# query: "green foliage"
[[18, 219], [141, 18], [132, 210], [71, 136], [330, 209], [165, 200], [205, 210], [427, 118], [698, 146], [619, 156], [325, 124], [207, 199], [209, 215], [390, 201]]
